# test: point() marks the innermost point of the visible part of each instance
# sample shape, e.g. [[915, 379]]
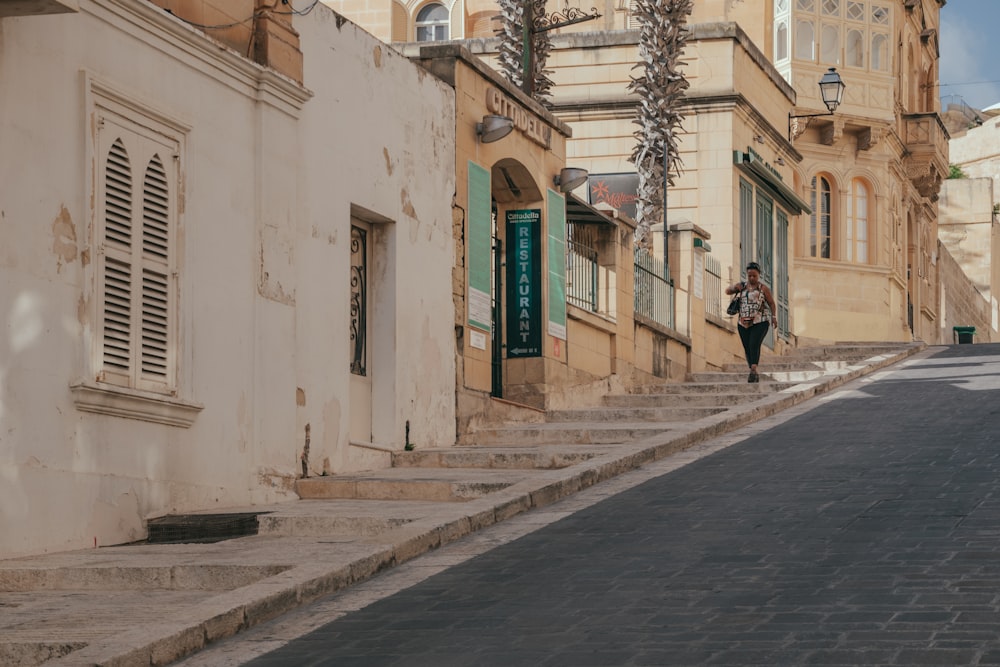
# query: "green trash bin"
[[964, 334]]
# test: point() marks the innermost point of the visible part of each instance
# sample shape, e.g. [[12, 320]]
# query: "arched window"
[[782, 37], [829, 45], [856, 247], [432, 23], [855, 52], [781, 42], [805, 40], [880, 53], [820, 201]]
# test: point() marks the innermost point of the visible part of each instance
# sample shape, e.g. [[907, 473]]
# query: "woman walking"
[[753, 322]]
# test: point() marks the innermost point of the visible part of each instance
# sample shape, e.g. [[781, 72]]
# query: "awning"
[[752, 166], [581, 213]]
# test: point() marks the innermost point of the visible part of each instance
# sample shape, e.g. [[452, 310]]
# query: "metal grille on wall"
[[713, 286], [581, 276], [359, 300], [654, 296]]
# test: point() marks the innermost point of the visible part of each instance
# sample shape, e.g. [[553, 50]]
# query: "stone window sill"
[[108, 399]]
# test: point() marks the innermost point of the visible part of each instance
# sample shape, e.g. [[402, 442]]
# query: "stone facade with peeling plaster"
[[270, 173]]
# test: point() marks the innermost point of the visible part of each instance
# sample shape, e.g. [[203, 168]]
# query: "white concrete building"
[[206, 266]]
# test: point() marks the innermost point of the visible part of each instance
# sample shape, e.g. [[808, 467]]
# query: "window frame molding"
[[850, 222], [447, 23], [834, 221], [90, 394]]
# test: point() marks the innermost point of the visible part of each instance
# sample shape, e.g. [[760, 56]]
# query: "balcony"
[[926, 161]]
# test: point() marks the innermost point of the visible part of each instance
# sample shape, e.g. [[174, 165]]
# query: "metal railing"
[[713, 286], [654, 294], [581, 276]]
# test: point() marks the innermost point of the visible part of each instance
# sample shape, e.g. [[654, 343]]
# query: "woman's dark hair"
[[753, 265]]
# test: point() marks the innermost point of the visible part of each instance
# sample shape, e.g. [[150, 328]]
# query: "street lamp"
[[831, 89], [570, 178], [494, 128]]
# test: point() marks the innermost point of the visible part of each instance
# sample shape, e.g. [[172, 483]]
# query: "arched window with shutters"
[[858, 221], [137, 195], [821, 218], [432, 23]]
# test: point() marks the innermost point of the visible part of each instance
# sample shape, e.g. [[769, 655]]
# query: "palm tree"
[[662, 36]]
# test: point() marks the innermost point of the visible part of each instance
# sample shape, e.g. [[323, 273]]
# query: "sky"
[[969, 30]]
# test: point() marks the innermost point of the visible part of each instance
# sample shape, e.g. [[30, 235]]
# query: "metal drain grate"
[[202, 528]]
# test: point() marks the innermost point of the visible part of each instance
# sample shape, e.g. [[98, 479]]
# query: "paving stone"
[[840, 537]]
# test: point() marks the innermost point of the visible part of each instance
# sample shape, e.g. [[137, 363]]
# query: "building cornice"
[[428, 54], [186, 44]]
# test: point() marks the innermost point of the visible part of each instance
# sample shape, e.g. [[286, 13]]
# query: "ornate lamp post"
[[831, 89]]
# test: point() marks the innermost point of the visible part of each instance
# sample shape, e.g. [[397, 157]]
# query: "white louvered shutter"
[[155, 302], [117, 285], [137, 279]]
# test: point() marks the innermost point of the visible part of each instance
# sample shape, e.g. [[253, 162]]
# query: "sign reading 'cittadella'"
[[532, 127]]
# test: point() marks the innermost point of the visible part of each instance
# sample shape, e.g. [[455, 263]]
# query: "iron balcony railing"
[[654, 294], [581, 276]]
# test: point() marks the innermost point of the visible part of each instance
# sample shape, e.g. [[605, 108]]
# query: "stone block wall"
[[961, 303]]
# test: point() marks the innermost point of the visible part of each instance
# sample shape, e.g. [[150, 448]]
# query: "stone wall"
[[961, 303]]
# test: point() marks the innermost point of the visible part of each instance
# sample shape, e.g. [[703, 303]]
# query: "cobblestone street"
[[865, 530]]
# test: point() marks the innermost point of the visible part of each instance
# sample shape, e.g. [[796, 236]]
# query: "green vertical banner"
[[480, 252], [557, 264], [524, 283]]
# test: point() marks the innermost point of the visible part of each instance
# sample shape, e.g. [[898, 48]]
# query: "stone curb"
[[231, 612]]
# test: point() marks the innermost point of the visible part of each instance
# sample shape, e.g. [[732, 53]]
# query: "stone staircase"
[[492, 459]]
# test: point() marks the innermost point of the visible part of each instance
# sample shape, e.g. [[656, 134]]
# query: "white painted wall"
[[269, 179]]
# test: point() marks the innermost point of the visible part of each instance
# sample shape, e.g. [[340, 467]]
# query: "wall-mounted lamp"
[[494, 128], [570, 178], [759, 138], [831, 89], [780, 160]]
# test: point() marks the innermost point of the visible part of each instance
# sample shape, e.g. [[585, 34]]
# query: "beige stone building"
[[858, 189]]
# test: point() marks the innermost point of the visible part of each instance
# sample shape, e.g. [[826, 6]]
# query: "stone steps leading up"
[[682, 413], [732, 377], [768, 366], [436, 484], [734, 384], [677, 399], [549, 457], [491, 459], [573, 433]]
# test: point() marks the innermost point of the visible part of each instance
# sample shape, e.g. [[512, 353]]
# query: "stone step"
[[732, 378], [332, 525], [796, 377], [436, 484], [769, 366], [734, 384], [725, 398], [113, 576], [682, 413], [591, 433], [545, 457], [846, 351]]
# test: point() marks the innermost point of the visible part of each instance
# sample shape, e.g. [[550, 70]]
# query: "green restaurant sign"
[[524, 283]]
